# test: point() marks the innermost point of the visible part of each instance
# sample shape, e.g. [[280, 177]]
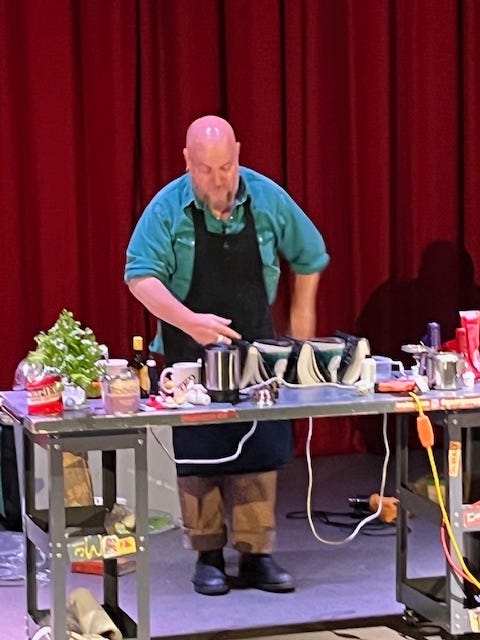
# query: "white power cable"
[[294, 385], [366, 520], [234, 456], [251, 431]]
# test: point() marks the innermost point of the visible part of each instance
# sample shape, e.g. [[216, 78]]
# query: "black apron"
[[227, 280]]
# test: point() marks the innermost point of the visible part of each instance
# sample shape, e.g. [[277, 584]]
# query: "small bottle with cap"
[[138, 364], [153, 376], [434, 337]]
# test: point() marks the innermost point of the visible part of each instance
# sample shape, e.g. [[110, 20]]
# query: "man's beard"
[[222, 205], [215, 203]]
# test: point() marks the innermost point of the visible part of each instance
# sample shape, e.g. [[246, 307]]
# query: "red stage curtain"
[[367, 112]]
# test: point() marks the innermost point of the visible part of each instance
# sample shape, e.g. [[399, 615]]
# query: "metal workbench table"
[[445, 600], [90, 429]]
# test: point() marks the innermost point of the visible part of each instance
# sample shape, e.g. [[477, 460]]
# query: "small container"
[[434, 338], [368, 372], [444, 370], [73, 396], [121, 392], [222, 372], [112, 366], [44, 394], [385, 366]]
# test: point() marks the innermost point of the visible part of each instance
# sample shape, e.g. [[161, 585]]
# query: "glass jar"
[[121, 392]]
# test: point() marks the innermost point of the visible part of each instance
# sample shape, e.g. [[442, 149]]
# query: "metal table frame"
[[52, 529], [49, 530], [442, 600], [91, 429]]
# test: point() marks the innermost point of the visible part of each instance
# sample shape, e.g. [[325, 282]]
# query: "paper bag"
[[90, 617], [78, 482]]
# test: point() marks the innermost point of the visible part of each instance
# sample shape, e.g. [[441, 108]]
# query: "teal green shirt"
[[163, 242]]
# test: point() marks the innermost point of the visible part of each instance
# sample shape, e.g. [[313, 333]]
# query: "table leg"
[[143, 565], [59, 548]]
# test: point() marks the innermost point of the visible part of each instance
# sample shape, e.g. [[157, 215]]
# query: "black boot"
[[260, 571], [209, 577]]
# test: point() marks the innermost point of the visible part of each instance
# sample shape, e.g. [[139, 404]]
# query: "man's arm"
[[202, 327], [303, 311]]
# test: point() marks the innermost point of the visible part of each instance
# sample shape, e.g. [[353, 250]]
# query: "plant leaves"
[[70, 349]]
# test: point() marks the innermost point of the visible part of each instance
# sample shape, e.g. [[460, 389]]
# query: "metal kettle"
[[222, 372], [444, 370]]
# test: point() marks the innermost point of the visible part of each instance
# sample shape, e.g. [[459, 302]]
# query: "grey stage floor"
[[345, 591]]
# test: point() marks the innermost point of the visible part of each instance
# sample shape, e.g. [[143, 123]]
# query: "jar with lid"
[[120, 392]]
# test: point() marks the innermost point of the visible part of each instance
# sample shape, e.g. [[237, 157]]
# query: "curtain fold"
[[367, 112]]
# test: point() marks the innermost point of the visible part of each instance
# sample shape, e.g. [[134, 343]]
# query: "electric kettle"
[[444, 370], [222, 372]]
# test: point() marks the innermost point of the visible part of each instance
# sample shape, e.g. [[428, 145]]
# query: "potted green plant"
[[72, 351]]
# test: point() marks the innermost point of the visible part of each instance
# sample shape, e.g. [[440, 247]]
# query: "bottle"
[[433, 332], [153, 376], [138, 364]]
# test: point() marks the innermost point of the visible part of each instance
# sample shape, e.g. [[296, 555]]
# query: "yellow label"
[[137, 343], [454, 458], [96, 546], [473, 615], [115, 546]]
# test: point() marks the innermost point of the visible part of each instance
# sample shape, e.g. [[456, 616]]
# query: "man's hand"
[[206, 328], [202, 327]]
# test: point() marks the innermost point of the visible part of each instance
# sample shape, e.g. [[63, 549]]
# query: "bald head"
[[212, 159], [209, 130]]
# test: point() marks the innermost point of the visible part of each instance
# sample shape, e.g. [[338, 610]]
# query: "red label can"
[[44, 396]]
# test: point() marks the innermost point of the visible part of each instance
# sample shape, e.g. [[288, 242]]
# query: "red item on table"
[[44, 395], [470, 321]]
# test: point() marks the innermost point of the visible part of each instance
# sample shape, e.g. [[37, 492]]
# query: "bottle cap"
[[137, 343]]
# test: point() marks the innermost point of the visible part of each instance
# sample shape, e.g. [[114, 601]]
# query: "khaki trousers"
[[246, 501]]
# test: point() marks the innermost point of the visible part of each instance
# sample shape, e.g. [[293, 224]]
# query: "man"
[[204, 260]]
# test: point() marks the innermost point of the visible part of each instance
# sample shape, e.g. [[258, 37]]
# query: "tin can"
[[44, 395]]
